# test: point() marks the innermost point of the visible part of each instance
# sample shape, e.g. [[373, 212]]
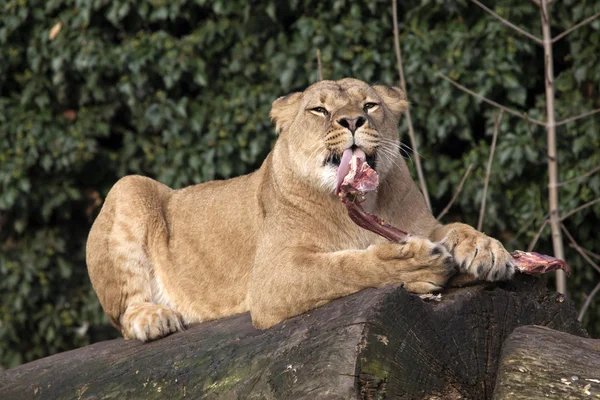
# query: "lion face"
[[332, 116]]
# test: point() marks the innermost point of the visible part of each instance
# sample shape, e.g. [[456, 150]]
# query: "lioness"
[[278, 242]]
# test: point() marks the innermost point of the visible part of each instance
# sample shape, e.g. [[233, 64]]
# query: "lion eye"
[[320, 110], [369, 106]]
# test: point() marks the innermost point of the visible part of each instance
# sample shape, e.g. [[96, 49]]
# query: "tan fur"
[[277, 242]]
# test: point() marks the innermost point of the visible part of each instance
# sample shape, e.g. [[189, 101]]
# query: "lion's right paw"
[[479, 255], [147, 322], [422, 265]]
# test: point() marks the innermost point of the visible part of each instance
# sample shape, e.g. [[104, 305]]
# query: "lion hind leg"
[[140, 315], [120, 265], [147, 321], [143, 317]]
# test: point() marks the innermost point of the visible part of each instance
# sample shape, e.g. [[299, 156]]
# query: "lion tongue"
[[344, 167]]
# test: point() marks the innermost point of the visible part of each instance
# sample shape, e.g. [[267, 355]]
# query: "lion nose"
[[352, 123]]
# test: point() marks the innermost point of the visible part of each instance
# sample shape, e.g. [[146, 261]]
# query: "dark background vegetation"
[[180, 90]]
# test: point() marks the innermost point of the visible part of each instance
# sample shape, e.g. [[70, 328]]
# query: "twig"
[[564, 217], [411, 130], [553, 205], [537, 2], [575, 118], [587, 303], [581, 207], [589, 253], [579, 248], [524, 227], [526, 116], [320, 68], [491, 102], [537, 235], [571, 29], [458, 190], [508, 23], [590, 172], [488, 170]]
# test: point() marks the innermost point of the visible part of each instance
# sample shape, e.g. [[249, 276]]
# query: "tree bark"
[[541, 363], [375, 344]]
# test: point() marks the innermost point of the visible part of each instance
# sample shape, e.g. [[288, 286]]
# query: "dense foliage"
[[180, 90]]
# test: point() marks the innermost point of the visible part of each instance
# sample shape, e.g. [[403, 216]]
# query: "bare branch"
[[571, 29], [489, 168], [537, 235], [581, 207], [587, 303], [491, 102], [579, 248], [553, 204], [546, 220], [590, 172], [458, 190], [508, 23], [411, 130], [575, 118], [524, 227], [528, 127], [589, 253], [320, 68]]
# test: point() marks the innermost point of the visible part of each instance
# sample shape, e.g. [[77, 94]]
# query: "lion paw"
[[421, 251], [478, 254], [423, 287], [147, 322], [422, 265]]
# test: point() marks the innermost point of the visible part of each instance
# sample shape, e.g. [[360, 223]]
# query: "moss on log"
[[375, 344]]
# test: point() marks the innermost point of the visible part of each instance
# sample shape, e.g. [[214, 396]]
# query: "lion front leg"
[[299, 279], [476, 254]]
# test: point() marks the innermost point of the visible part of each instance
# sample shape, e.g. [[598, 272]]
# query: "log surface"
[[375, 344], [541, 363]]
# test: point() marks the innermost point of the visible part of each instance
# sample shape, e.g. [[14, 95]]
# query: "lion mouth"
[[343, 163], [335, 159]]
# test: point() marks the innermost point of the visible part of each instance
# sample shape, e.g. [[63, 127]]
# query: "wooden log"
[[541, 363], [378, 343]]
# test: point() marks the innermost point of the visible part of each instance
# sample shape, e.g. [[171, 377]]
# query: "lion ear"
[[394, 99], [284, 110]]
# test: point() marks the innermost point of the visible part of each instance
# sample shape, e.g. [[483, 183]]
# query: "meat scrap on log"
[[538, 362], [378, 343]]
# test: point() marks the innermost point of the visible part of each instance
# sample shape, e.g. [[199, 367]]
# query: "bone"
[[358, 179]]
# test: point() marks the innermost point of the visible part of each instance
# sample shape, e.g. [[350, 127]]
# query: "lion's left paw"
[[478, 254]]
